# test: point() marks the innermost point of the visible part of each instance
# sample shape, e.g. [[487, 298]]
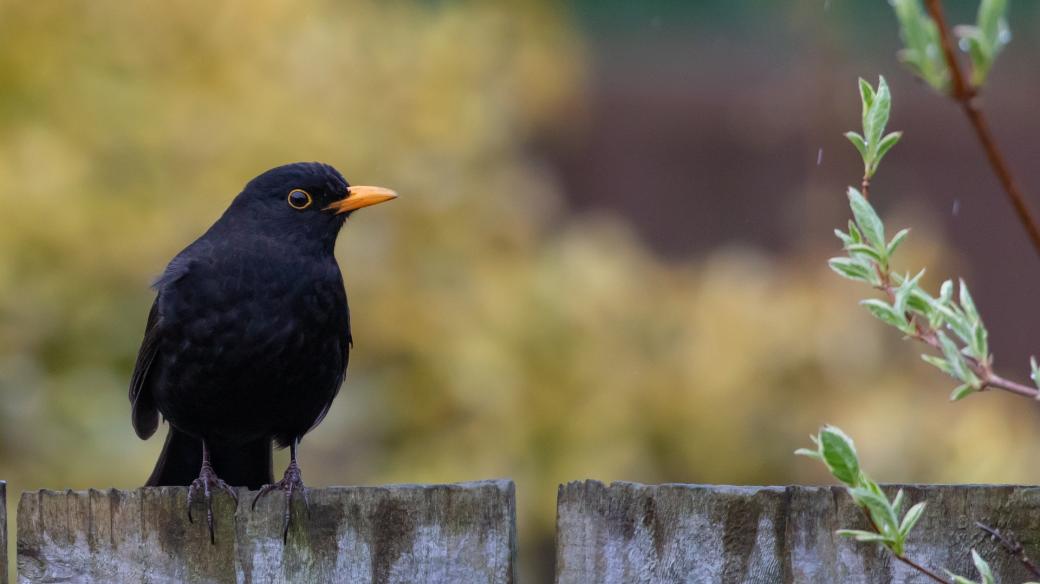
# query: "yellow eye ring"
[[299, 199]]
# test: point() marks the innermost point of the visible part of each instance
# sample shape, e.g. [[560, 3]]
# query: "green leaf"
[[920, 302], [957, 361], [984, 41], [867, 219], [980, 343], [902, 295], [967, 303], [983, 567], [978, 337], [872, 486], [922, 51], [886, 144], [809, 453], [896, 241], [1034, 372], [961, 392], [887, 314], [952, 354], [863, 249], [846, 240], [867, 536], [854, 232], [913, 515], [880, 511], [897, 502], [851, 269], [859, 143], [876, 118], [873, 143], [939, 363], [957, 322], [839, 454], [866, 94], [946, 292]]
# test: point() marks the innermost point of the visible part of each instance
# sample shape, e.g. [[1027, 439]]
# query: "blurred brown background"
[[608, 260]]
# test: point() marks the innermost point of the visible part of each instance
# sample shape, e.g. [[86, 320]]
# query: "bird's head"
[[301, 201]]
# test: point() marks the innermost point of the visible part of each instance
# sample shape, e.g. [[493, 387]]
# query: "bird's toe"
[[291, 484], [201, 490]]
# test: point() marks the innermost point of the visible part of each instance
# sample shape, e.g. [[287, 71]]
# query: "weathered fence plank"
[[628, 533], [458, 534], [3, 532]]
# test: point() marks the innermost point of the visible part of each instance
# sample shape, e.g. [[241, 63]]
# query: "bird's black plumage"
[[248, 339]]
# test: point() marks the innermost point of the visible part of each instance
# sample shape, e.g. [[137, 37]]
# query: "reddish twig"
[[1012, 546], [999, 382], [935, 577], [983, 370], [965, 95]]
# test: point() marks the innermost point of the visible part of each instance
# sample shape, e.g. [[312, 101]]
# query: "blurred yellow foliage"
[[496, 335]]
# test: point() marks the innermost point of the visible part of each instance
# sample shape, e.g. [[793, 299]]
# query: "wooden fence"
[[461, 534], [466, 533]]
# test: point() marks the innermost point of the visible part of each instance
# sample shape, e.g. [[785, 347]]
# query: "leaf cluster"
[[984, 40], [873, 144], [837, 451], [922, 46], [953, 326]]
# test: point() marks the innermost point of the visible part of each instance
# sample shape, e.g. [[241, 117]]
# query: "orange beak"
[[358, 197]]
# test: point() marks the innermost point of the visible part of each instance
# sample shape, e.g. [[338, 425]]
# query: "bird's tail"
[[247, 465]]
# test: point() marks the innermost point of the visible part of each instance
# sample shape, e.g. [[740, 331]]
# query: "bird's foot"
[[206, 483], [291, 483]]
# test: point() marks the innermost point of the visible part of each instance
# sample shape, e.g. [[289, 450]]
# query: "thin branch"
[[935, 577], [961, 90], [1012, 546], [983, 370], [965, 95], [990, 380], [999, 382]]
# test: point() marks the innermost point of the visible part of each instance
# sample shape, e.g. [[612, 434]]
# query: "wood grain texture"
[[458, 534], [628, 533]]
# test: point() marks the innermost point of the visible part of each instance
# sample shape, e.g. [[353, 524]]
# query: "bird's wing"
[[346, 343], [144, 415]]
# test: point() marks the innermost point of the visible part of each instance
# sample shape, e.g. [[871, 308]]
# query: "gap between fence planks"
[[459, 534]]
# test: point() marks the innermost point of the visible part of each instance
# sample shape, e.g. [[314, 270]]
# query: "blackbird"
[[248, 339]]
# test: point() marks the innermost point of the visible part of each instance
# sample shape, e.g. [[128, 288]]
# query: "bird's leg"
[[207, 479], [291, 483]]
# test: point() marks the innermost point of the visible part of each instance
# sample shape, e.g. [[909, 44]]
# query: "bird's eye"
[[299, 199]]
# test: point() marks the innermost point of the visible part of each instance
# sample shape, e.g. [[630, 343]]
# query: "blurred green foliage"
[[496, 335]]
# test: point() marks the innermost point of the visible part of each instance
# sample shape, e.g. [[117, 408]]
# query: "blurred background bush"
[[608, 259]]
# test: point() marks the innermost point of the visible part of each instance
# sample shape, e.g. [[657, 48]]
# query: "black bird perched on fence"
[[248, 338]]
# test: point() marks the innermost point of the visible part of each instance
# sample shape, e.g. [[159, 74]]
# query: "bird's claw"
[[291, 483], [206, 482]]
